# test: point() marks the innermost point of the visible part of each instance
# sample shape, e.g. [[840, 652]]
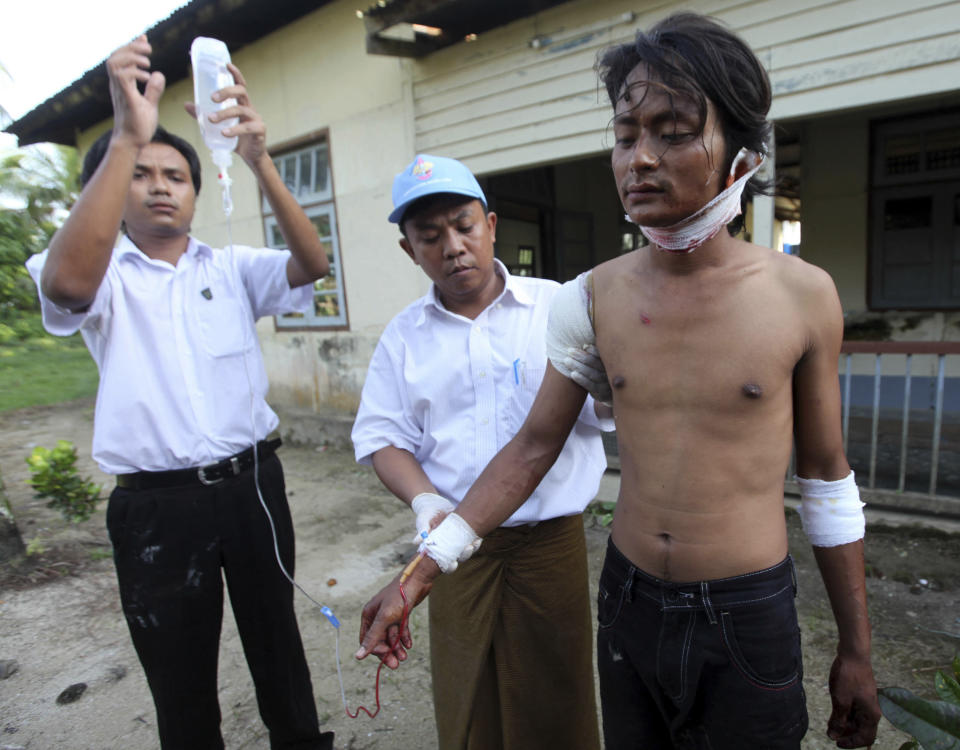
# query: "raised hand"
[[250, 130], [135, 114]]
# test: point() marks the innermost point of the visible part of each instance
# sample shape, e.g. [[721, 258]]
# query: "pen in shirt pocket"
[[519, 371]]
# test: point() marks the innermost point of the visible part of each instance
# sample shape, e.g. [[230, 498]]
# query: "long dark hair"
[[696, 57]]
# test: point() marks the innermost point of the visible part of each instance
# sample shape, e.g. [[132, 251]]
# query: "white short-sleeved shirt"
[[182, 381], [453, 391]]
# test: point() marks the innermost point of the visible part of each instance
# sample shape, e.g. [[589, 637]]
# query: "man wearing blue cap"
[[450, 383]]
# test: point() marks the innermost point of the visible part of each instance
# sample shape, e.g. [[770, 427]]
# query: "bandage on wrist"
[[831, 512], [447, 543]]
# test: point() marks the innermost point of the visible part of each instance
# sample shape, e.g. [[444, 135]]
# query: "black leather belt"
[[205, 475]]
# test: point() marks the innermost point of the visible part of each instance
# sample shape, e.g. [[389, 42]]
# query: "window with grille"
[[306, 172]]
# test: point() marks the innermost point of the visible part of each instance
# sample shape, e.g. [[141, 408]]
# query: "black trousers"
[[170, 546]]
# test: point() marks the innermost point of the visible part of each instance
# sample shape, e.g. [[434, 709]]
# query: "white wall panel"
[[502, 92]]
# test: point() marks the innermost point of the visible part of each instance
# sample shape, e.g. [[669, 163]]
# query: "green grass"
[[45, 369]]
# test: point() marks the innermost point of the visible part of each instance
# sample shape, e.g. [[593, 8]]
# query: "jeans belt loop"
[[793, 574], [630, 576], [707, 604]]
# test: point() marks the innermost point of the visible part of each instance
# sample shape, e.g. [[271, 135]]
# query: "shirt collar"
[[513, 287], [126, 247], [512, 290]]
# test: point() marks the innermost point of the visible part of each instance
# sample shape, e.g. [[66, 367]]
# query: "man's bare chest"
[[708, 352]]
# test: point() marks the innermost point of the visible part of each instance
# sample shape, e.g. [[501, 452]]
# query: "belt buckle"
[[234, 469], [202, 476]]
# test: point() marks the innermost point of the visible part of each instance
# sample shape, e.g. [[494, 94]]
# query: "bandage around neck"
[[688, 234], [450, 543], [831, 512], [569, 325]]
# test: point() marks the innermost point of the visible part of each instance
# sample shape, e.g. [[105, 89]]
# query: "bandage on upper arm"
[[570, 324]]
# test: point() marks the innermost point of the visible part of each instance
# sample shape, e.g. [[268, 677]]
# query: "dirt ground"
[[60, 616]]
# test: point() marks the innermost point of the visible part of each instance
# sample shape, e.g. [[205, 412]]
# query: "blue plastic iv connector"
[[328, 613]]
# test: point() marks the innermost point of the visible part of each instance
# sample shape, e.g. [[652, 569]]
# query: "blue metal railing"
[[879, 350]]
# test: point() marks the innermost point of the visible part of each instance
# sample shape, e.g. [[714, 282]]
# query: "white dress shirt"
[[182, 381], [453, 391]]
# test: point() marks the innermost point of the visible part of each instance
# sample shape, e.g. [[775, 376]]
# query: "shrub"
[[55, 477]]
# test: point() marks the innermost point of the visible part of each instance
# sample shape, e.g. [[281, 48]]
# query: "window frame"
[[314, 203]]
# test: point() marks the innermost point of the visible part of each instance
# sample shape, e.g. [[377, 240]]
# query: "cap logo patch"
[[423, 170]]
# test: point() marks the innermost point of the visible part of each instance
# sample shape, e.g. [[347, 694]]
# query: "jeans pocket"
[[763, 643]]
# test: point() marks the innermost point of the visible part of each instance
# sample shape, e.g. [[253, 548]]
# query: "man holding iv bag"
[[181, 416]]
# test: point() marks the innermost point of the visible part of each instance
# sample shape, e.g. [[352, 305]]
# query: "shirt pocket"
[[525, 384], [222, 320]]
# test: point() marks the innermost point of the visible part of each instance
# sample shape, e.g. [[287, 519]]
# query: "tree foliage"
[[38, 185]]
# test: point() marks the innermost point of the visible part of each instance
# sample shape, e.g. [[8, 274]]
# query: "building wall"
[[527, 94]]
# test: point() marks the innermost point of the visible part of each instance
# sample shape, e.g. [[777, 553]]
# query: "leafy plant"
[[55, 477], [35, 547], [934, 725], [602, 511]]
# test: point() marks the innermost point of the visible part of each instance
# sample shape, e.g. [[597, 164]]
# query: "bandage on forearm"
[[569, 325], [452, 542], [831, 512]]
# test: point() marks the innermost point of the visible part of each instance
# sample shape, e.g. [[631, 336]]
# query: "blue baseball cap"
[[427, 175]]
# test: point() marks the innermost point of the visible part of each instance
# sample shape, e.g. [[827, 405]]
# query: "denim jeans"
[[709, 664]]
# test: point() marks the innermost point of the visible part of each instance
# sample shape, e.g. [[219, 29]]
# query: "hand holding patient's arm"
[[587, 371]]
